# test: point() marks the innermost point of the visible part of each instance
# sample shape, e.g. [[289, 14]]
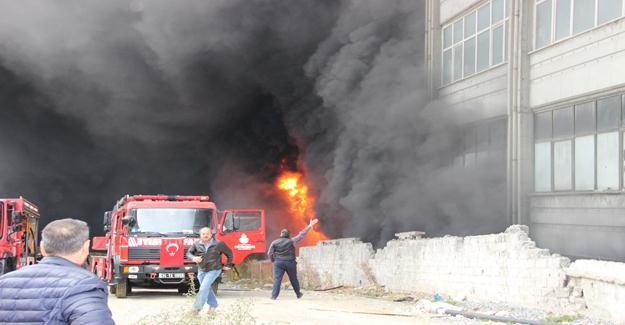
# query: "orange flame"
[[301, 204]]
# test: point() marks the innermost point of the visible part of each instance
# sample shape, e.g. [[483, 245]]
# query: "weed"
[[561, 318], [191, 291], [239, 313]]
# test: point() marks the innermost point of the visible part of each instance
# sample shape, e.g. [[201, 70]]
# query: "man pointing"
[[282, 254]]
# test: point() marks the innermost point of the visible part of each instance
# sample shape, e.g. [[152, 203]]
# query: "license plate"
[[171, 275]]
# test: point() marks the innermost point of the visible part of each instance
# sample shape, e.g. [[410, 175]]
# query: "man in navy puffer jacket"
[[57, 290]]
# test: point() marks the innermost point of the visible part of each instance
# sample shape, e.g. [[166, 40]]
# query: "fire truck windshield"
[[170, 220]]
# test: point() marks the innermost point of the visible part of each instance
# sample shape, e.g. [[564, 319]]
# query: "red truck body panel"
[[19, 243], [249, 239]]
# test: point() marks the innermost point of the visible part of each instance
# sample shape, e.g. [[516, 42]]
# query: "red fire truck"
[[19, 245], [147, 237]]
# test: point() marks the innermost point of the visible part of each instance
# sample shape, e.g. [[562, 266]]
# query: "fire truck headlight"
[[133, 269], [188, 268]]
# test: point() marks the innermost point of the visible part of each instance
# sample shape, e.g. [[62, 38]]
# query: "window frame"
[[620, 130], [552, 36], [535, 23], [492, 148], [489, 29]]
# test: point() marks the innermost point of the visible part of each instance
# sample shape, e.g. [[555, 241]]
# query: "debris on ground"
[[328, 289], [407, 298], [436, 305]]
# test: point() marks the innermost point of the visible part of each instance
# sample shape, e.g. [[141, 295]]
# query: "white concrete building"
[[546, 78]]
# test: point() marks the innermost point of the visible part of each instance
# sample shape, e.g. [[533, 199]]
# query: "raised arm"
[[303, 233]]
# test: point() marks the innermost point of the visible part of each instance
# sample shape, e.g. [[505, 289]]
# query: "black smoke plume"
[[104, 98]]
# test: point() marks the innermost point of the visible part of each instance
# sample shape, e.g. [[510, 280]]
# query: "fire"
[[293, 185]]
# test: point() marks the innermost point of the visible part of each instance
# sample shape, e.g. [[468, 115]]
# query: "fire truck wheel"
[[122, 289], [112, 289]]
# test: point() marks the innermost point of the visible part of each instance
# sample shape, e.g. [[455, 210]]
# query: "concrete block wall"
[[335, 262], [505, 267], [601, 286]]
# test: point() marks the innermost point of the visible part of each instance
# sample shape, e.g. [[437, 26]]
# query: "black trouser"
[[279, 267]]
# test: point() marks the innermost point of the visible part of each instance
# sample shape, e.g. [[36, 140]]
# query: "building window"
[[583, 15], [483, 44], [475, 42], [469, 56], [562, 149], [498, 45], [608, 10], [607, 161], [577, 148], [563, 19], [447, 66], [571, 17], [482, 143], [585, 163], [543, 23], [542, 167]]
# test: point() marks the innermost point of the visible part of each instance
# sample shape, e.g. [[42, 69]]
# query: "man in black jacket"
[[282, 254], [206, 252]]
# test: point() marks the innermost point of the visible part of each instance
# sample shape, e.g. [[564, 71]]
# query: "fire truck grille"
[[146, 253]]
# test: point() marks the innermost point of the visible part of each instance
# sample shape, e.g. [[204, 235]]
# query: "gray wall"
[[580, 226], [583, 67]]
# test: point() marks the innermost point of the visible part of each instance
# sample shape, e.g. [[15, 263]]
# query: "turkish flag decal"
[[172, 251]]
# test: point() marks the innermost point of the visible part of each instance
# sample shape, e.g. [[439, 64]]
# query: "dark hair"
[[285, 233], [65, 236]]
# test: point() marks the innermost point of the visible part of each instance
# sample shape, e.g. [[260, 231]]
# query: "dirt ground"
[[314, 308]]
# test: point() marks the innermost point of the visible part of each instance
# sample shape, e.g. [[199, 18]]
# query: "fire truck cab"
[[147, 237], [19, 244]]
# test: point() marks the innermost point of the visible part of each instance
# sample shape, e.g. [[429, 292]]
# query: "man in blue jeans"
[[206, 252], [282, 254]]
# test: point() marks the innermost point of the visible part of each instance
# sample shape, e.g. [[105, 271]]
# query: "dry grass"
[[238, 313]]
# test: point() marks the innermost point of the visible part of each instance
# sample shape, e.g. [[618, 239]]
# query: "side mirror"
[[128, 220], [237, 223], [106, 221], [228, 223], [16, 217], [107, 218]]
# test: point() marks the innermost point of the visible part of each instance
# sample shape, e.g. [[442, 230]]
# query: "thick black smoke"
[[385, 165], [103, 98]]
